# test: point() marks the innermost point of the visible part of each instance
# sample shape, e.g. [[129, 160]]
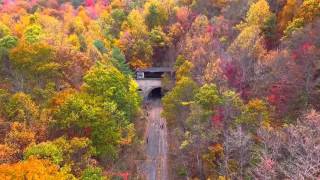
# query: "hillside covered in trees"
[[244, 102]]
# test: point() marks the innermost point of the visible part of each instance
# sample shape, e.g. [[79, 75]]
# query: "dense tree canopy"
[[242, 102]]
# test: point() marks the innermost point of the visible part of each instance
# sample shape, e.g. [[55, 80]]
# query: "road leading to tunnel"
[[155, 166]]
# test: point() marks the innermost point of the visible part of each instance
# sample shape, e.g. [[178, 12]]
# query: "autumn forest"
[[242, 101]]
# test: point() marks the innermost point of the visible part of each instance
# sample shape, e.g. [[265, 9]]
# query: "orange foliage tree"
[[33, 169]]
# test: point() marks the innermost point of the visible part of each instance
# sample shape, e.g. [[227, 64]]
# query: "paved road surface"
[[155, 166]]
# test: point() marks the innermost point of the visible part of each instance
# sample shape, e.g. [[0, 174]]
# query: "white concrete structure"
[[150, 79], [147, 85]]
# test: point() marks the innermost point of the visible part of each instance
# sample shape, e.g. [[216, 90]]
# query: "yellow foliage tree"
[[309, 10], [33, 169], [258, 13], [286, 14], [256, 113]]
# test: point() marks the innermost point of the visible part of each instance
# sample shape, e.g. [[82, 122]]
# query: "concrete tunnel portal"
[[149, 81]]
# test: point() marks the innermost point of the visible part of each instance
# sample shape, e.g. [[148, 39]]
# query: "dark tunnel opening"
[[155, 93]]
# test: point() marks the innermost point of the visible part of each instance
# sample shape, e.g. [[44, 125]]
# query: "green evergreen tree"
[[119, 61]]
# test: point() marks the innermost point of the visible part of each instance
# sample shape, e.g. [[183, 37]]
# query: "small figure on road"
[[147, 140], [161, 126], [147, 105]]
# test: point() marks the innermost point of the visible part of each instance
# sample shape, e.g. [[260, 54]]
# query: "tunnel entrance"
[[155, 93]]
